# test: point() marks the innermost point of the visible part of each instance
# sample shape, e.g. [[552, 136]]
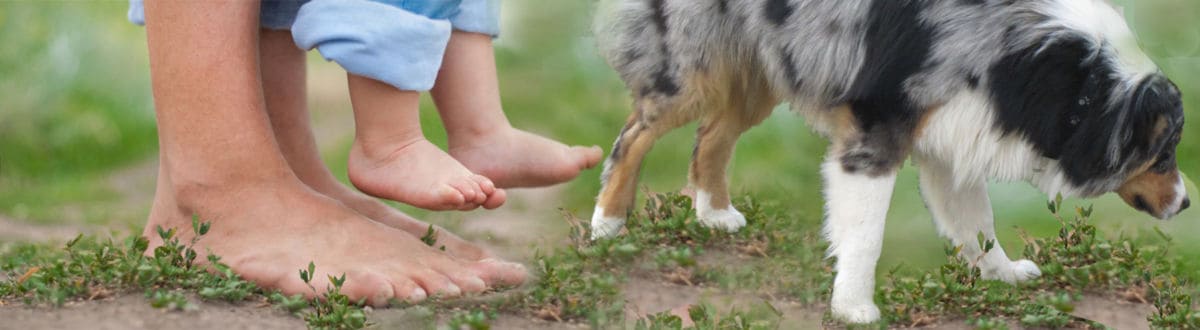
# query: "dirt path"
[[133, 312]]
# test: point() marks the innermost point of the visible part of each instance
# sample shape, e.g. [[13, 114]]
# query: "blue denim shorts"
[[399, 42]]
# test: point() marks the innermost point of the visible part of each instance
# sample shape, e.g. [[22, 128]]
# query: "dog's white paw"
[[855, 312], [729, 219], [605, 227], [1013, 272]]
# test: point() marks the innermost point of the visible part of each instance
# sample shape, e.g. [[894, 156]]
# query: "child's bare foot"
[[515, 158], [420, 174], [391, 158], [266, 231]]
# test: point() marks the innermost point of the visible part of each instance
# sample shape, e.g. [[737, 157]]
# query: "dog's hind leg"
[[962, 212], [715, 141], [649, 121]]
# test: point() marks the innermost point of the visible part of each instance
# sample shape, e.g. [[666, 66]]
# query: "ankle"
[[475, 134], [192, 193], [383, 147]]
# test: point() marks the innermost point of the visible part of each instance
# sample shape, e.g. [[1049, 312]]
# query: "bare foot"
[[267, 231], [515, 158], [420, 174]]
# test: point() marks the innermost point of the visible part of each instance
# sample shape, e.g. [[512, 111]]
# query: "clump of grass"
[[88, 269], [704, 316], [472, 320], [336, 310], [169, 299], [91, 269], [1075, 260]]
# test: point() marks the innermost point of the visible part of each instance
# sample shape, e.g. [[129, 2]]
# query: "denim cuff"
[[479, 16], [275, 14], [374, 40]]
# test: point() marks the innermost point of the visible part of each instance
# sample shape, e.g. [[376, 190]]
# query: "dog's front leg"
[[962, 212], [856, 206]]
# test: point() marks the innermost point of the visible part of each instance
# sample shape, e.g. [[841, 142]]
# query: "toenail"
[[418, 295], [452, 289], [477, 282]]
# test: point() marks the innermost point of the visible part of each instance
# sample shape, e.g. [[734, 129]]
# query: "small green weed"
[[472, 320], [169, 299], [704, 316], [336, 310]]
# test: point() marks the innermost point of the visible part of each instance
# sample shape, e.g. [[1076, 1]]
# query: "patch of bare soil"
[[530, 221], [134, 312], [646, 296], [1114, 313]]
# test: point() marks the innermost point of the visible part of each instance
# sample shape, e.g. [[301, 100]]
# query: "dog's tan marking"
[[732, 102], [1157, 190], [653, 117], [924, 122]]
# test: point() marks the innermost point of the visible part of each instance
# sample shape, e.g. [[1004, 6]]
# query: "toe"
[[469, 190], [448, 198], [407, 290], [485, 185], [437, 284], [372, 286], [587, 157], [468, 206], [496, 272], [469, 283], [496, 199]]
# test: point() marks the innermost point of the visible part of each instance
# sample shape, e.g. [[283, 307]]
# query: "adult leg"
[[221, 163], [467, 94], [283, 66]]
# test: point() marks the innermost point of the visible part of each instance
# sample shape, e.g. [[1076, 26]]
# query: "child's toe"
[[496, 199]]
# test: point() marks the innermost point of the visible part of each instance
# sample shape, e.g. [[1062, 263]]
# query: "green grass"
[[74, 80], [580, 282]]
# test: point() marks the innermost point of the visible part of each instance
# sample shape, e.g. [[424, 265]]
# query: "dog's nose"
[[1186, 202]]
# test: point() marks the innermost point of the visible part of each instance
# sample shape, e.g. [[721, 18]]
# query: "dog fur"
[[1053, 92]]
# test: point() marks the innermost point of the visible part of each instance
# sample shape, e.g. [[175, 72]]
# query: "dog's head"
[[1077, 86]]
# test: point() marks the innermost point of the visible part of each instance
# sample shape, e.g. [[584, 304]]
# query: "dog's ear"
[[1132, 129]]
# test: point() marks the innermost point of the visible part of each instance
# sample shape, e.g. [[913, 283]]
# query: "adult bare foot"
[[266, 231], [515, 158], [391, 159]]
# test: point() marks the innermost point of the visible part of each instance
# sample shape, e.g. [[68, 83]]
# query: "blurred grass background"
[[77, 130]]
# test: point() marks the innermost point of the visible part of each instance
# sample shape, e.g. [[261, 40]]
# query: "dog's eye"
[[1164, 161]]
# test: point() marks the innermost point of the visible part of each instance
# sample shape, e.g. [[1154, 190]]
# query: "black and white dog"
[[1053, 92]]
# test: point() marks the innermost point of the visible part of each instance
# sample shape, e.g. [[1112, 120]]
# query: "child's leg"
[[283, 67], [391, 54], [468, 98]]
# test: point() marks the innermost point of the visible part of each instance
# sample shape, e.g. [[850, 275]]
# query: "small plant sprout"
[[430, 237]]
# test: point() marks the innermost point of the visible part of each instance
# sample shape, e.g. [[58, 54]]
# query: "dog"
[[1052, 92]]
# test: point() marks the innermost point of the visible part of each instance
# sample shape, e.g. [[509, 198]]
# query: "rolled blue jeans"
[[399, 42]]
